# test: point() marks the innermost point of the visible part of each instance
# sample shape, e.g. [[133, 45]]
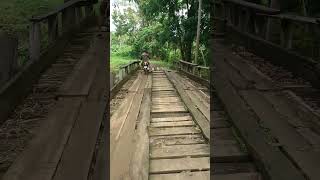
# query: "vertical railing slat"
[[34, 41]]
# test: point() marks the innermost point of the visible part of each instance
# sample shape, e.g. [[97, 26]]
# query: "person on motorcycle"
[[145, 61], [145, 57]]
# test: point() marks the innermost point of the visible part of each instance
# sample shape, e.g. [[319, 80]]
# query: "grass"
[[117, 61]]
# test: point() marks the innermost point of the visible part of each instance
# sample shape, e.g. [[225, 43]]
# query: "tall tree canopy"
[[164, 26]]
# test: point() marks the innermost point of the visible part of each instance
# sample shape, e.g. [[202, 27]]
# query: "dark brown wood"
[[13, 92], [8, 57], [40, 159], [71, 3], [53, 28], [34, 41], [77, 154], [271, 160], [253, 6]]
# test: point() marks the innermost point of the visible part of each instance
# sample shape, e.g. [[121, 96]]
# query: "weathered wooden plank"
[[219, 124], [139, 165], [222, 134], [227, 152], [79, 83], [165, 110], [238, 176], [164, 95], [176, 140], [162, 106], [172, 124], [119, 117], [120, 155], [196, 96], [40, 159], [199, 175], [279, 167], [199, 118], [168, 119], [232, 168], [168, 104], [165, 99], [250, 73], [76, 159], [176, 151], [293, 143], [173, 131], [179, 165]]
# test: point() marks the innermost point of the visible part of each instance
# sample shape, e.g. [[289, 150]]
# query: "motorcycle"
[[146, 67]]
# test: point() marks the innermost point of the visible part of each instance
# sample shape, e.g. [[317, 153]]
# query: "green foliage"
[[117, 61], [166, 29], [126, 21]]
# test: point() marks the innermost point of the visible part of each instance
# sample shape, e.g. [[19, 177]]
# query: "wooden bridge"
[[257, 119], [269, 85]]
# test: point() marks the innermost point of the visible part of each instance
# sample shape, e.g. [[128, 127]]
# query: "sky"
[[112, 27]]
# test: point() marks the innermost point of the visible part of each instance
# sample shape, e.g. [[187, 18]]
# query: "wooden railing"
[[57, 22], [255, 19], [195, 70], [61, 24], [118, 79], [286, 40]]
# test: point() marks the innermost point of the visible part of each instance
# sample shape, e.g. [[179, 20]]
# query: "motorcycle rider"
[[145, 58]]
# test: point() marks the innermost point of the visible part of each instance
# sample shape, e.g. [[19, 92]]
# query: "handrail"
[[255, 19], [60, 9], [72, 16], [194, 69], [129, 64], [122, 75], [186, 62], [293, 17], [253, 6]]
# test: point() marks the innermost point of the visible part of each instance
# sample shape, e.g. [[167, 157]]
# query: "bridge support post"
[[34, 41], [53, 28]]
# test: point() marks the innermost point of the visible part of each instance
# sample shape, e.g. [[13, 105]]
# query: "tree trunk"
[[198, 32]]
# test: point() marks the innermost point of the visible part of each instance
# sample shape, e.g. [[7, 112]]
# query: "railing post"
[[315, 31], [52, 28], [286, 34], [121, 74], [249, 21], [34, 41], [194, 70], [260, 24], [8, 57], [111, 80], [126, 69]]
